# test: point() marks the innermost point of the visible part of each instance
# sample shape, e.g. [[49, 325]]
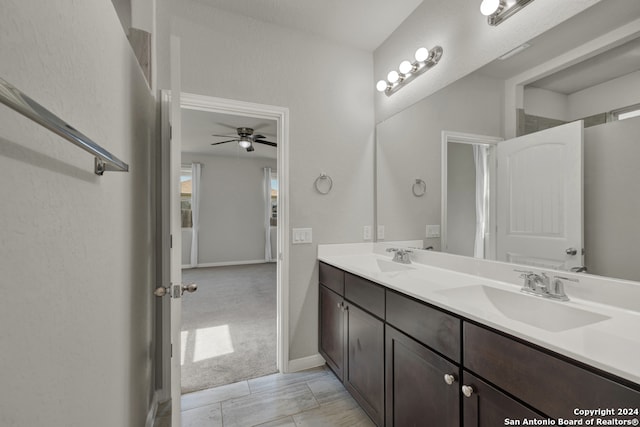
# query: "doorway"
[[169, 377], [229, 215]]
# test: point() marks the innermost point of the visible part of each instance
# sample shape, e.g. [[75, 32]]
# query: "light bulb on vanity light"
[[422, 54], [405, 67], [382, 85], [393, 76], [489, 7]]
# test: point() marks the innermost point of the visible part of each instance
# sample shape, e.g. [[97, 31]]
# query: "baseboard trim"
[[303, 363], [153, 410], [226, 263]]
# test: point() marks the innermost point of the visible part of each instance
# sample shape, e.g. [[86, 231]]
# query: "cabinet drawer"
[[332, 278], [364, 293], [430, 326], [552, 385]]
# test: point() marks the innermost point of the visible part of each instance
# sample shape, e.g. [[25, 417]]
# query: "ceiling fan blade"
[[226, 126], [261, 141], [224, 136], [259, 137], [223, 142]]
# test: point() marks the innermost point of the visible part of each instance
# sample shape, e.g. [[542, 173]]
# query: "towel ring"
[[419, 188], [323, 177]]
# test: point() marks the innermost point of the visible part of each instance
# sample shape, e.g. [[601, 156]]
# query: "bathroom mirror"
[[409, 144]]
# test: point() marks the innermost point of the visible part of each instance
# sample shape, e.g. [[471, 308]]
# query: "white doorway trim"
[[465, 138], [281, 116]]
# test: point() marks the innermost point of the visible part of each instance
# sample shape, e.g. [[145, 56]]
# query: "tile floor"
[[309, 398]]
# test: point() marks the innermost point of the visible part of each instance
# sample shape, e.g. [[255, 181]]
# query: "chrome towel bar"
[[23, 104]]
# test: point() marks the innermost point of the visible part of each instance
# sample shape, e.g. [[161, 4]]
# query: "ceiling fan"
[[246, 139]]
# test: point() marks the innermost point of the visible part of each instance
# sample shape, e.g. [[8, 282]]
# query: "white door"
[[539, 213], [176, 231], [172, 288]]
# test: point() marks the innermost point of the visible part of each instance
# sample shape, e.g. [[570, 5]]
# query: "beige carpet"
[[228, 325]]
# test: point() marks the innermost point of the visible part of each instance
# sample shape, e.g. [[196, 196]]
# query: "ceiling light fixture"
[[407, 71], [497, 11], [244, 142]]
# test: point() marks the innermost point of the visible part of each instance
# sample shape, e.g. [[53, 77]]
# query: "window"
[[274, 198], [626, 113], [185, 196]]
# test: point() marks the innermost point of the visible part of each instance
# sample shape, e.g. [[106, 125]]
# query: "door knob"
[[449, 378], [467, 390], [191, 288], [571, 251], [161, 291]]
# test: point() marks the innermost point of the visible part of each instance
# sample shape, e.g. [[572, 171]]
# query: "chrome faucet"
[[543, 286], [401, 255]]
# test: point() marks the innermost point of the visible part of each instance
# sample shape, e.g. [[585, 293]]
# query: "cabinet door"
[[331, 334], [417, 391], [364, 376], [488, 407]]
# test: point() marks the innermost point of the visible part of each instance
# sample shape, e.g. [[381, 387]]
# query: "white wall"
[[232, 208], [328, 90], [546, 103], [468, 42], [611, 202], [76, 252], [602, 98], [409, 147], [617, 93]]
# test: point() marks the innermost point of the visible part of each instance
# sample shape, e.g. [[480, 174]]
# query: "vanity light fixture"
[[497, 11], [407, 71]]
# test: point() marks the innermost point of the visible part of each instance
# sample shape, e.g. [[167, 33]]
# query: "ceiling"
[[569, 35], [198, 127], [363, 24]]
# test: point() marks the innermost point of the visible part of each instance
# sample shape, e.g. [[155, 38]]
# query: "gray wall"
[[76, 252], [611, 202], [461, 199], [232, 208], [409, 147], [328, 89]]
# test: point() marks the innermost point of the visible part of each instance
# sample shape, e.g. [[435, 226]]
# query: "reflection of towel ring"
[[419, 188], [323, 177]]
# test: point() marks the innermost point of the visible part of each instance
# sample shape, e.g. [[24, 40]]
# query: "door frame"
[[238, 108], [466, 138]]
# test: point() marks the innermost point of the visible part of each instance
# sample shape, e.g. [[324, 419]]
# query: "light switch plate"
[[433, 231], [381, 232], [301, 236], [366, 232]]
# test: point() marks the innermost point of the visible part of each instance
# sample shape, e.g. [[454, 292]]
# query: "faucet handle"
[[556, 289], [392, 249]]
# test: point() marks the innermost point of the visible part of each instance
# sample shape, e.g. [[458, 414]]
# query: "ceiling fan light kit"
[[246, 139]]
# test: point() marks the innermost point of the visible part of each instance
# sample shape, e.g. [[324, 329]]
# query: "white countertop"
[[612, 345]]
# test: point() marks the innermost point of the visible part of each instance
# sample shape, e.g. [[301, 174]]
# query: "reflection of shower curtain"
[[480, 158], [267, 214], [196, 169]]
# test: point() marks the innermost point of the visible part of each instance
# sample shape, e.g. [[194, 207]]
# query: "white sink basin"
[[541, 313], [390, 266]]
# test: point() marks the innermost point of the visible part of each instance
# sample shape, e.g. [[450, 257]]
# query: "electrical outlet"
[[381, 232], [366, 232], [301, 235], [433, 231]]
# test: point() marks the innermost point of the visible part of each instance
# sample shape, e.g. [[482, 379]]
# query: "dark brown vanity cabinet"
[[550, 384], [486, 406], [422, 388], [351, 336], [408, 363]]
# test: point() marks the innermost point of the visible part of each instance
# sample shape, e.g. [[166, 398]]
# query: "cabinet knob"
[[449, 378], [467, 390]]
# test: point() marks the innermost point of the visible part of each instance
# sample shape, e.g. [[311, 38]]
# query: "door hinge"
[[170, 241], [171, 350], [170, 133]]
